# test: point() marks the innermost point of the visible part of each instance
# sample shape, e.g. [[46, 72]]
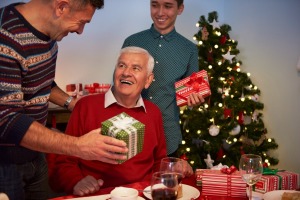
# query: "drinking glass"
[[251, 168], [164, 186], [174, 165]]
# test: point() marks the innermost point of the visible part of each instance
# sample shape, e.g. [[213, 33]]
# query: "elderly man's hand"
[[94, 146], [187, 169], [87, 185]]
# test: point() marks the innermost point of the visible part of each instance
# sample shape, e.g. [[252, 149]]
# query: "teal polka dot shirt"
[[175, 57]]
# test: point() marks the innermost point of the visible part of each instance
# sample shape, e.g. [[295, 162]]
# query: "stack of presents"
[[93, 88], [229, 182]]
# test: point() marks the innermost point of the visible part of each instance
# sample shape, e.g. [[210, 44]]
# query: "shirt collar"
[[168, 36], [110, 99]]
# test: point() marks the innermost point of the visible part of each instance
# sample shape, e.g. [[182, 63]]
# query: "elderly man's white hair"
[[133, 49]]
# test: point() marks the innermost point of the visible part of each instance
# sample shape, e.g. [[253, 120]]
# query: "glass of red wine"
[[164, 186], [174, 165]]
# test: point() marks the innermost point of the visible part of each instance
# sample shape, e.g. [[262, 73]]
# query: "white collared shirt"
[[110, 99]]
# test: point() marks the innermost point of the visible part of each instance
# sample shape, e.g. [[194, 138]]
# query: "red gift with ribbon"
[[223, 182], [196, 83]]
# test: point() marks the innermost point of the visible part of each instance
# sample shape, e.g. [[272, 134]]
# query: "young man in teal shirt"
[[175, 58]]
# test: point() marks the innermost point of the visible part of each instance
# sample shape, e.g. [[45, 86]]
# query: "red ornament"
[[223, 39], [204, 33], [265, 165], [184, 157], [227, 113], [210, 58], [236, 68], [241, 117], [242, 151], [220, 154]]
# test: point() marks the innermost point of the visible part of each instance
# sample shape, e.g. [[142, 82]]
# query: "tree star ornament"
[[215, 24], [228, 56], [209, 162]]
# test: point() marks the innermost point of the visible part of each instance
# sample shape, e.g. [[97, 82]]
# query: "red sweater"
[[88, 114]]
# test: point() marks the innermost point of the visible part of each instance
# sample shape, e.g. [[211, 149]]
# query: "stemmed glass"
[[175, 166], [164, 185], [251, 168]]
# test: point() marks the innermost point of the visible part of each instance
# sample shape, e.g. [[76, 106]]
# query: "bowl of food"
[[124, 193]]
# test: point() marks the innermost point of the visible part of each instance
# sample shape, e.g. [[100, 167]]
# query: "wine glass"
[[251, 168], [164, 185], [174, 165]]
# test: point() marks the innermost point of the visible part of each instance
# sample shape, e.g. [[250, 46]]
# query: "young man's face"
[[131, 75], [164, 14]]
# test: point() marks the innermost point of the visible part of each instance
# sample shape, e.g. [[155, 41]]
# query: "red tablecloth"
[[141, 185]]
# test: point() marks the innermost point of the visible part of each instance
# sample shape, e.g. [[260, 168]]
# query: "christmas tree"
[[229, 123]]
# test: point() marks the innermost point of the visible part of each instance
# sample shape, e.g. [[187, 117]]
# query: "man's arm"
[[59, 97], [91, 146]]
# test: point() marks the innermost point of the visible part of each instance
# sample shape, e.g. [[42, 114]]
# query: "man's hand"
[[87, 185], [187, 169], [194, 100], [94, 146]]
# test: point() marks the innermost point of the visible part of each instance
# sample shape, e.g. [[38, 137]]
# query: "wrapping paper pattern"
[[283, 180], [197, 82], [217, 183], [128, 129]]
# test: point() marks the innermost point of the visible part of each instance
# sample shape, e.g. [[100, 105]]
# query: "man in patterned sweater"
[[28, 52]]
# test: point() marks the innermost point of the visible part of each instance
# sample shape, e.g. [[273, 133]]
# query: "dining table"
[[140, 186]]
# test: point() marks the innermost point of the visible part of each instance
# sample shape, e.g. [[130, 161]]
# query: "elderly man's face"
[[131, 74]]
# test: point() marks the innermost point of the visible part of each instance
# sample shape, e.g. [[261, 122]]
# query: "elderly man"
[[133, 73]]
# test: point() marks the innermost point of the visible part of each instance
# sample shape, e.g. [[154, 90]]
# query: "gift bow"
[[267, 171], [123, 122], [229, 170], [195, 82]]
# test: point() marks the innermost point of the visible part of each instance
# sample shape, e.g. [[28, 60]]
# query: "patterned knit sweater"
[[27, 70]]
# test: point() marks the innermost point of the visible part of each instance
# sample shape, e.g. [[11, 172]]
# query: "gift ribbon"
[[229, 170], [267, 171], [194, 83], [123, 122]]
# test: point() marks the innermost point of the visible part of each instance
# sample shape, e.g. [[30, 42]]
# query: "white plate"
[[188, 192], [100, 197], [276, 194]]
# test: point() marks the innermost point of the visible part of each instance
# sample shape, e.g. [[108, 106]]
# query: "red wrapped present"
[[282, 180], [97, 88], [218, 183], [74, 89], [196, 83], [198, 174]]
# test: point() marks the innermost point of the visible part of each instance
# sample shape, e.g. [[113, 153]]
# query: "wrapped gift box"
[[196, 83], [74, 89], [95, 88], [282, 180], [128, 129], [217, 183], [198, 174]]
